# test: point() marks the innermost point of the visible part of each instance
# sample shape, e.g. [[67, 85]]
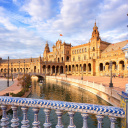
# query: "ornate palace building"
[[91, 59]]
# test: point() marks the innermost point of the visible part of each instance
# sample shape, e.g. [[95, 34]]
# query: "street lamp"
[[19, 67], [110, 84], [8, 73], [24, 67], [82, 72], [45, 70], [11, 71], [25, 83], [66, 72]]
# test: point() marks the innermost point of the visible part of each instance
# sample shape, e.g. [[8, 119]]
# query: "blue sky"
[[25, 25]]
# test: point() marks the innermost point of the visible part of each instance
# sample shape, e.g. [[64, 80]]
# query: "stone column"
[[4, 120], [59, 115], [85, 116], [47, 123], [113, 120], [75, 69], [59, 70], [15, 119], [51, 71], [99, 119], [67, 68], [125, 70], [117, 64], [55, 71], [71, 115], [87, 68], [36, 121], [25, 120], [71, 68], [46, 69]]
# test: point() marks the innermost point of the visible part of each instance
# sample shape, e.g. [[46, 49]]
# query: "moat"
[[64, 92]]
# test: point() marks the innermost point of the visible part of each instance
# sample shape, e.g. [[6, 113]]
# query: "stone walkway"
[[3, 83], [118, 83], [13, 88]]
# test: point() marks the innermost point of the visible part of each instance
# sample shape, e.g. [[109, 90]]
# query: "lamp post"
[[110, 84], [19, 67], [82, 72], [24, 67], [45, 70], [25, 83], [11, 71], [8, 73], [66, 72]]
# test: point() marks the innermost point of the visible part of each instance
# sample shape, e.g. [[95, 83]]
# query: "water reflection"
[[54, 90], [64, 92]]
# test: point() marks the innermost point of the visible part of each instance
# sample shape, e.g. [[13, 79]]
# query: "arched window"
[[67, 58]]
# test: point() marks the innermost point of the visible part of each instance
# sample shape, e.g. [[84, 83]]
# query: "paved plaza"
[[12, 88], [3, 84]]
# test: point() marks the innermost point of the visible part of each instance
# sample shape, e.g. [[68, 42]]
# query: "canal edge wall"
[[106, 93]]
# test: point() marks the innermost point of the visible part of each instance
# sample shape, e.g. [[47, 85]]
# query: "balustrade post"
[[4, 120], [15, 119], [113, 120], [36, 122], [85, 116], [59, 115], [47, 123], [100, 119], [71, 125], [25, 120]]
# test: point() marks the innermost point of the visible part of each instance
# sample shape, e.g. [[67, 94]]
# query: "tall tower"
[[95, 43], [46, 51], [95, 33]]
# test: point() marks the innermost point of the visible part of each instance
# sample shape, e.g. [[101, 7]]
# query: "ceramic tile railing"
[[59, 106]]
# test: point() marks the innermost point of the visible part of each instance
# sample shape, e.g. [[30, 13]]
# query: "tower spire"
[[95, 33], [95, 22]]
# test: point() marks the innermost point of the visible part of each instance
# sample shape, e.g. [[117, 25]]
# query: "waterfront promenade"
[[12, 88], [3, 83], [118, 83]]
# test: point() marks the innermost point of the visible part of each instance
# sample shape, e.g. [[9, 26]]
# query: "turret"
[[40, 58], [95, 43], [47, 47], [46, 51], [95, 33]]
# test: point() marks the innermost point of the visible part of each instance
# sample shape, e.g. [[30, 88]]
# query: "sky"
[[26, 25]]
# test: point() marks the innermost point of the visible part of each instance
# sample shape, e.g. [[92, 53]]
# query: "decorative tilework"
[[61, 105], [124, 97]]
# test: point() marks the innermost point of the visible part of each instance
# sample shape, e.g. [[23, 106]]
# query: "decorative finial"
[[95, 22]]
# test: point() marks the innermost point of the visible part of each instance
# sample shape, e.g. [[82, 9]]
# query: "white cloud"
[[4, 20], [38, 20], [37, 9]]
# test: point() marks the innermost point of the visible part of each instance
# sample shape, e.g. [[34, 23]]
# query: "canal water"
[[64, 92]]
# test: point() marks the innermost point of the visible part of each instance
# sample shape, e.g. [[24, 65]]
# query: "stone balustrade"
[[59, 106], [92, 87]]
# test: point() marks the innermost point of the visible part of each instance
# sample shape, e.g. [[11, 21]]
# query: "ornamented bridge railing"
[[60, 106]]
